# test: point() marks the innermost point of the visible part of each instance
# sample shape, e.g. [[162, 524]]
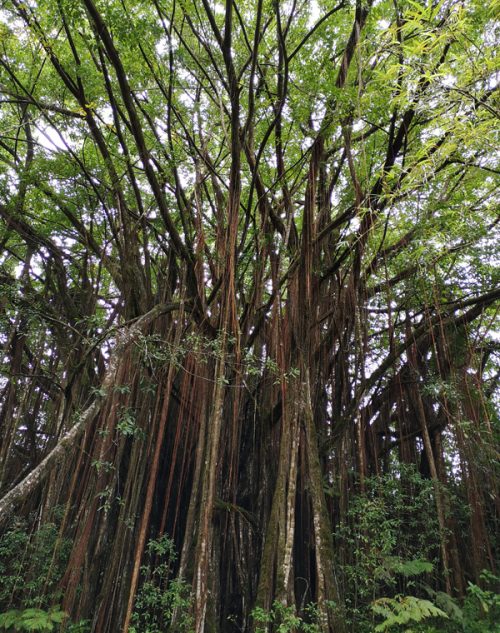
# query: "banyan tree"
[[248, 269]]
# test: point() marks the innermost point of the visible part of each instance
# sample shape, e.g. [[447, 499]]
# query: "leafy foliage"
[[391, 538], [161, 598], [32, 619], [402, 610], [284, 619], [479, 612], [31, 565]]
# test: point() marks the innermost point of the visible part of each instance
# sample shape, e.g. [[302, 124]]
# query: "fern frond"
[[403, 610]]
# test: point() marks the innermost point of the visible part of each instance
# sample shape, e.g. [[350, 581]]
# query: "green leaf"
[[58, 616], [9, 618], [413, 567], [404, 609]]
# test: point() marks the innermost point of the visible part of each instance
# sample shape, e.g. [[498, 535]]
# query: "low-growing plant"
[[32, 619], [161, 599], [479, 613], [285, 619], [392, 543], [401, 611], [31, 566]]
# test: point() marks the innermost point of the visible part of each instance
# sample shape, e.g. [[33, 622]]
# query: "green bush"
[[403, 610], [284, 619], [391, 540], [161, 600], [480, 612], [31, 566], [32, 619]]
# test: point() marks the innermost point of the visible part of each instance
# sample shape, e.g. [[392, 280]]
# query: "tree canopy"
[[250, 286]]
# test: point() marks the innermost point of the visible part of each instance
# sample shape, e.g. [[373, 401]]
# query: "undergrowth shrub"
[[162, 601], [31, 566], [388, 543]]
